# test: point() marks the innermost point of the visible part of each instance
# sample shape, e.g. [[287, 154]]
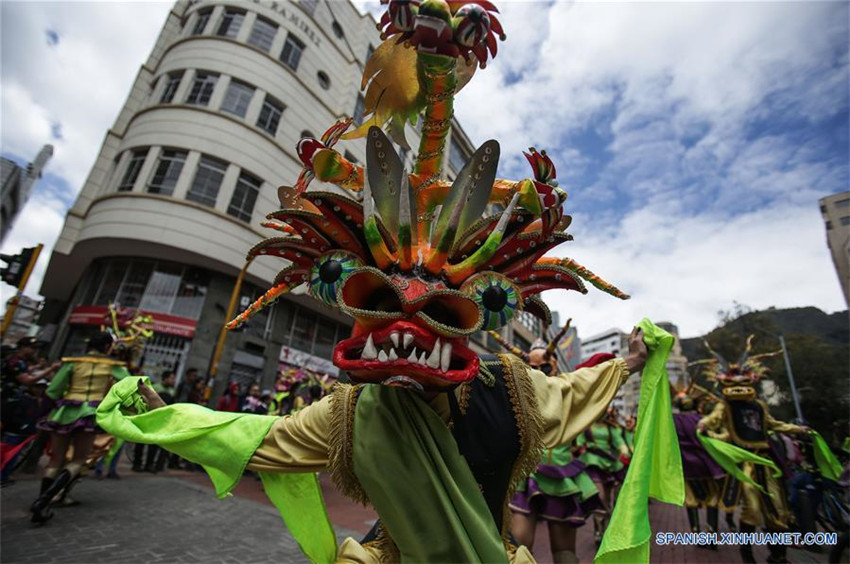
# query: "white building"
[[616, 342], [191, 167]]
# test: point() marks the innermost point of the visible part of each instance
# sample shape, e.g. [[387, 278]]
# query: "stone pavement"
[[144, 519], [176, 518]]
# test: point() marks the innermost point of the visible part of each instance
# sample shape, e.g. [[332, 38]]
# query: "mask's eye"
[[496, 296], [328, 273]]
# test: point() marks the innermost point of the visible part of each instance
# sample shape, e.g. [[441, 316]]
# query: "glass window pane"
[[134, 284], [201, 22], [167, 172], [302, 331], [270, 115], [359, 110], [291, 54], [457, 158], [171, 85], [325, 335], [202, 89], [262, 34], [111, 282], [162, 288], [207, 181], [244, 197], [230, 23], [137, 159], [191, 293], [237, 98]]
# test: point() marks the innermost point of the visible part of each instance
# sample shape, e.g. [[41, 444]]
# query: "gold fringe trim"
[[529, 426], [341, 443], [463, 400], [385, 545]]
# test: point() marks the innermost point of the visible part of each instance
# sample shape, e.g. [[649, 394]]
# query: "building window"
[[306, 133], [309, 6], [242, 204], [324, 80], [231, 22], [843, 203], [167, 172], [172, 82], [202, 88], [201, 22], [134, 284], [207, 181], [828, 225], [359, 110], [349, 156], [262, 34], [270, 115], [845, 220], [457, 158], [133, 168], [369, 51], [337, 29], [292, 50], [237, 98]]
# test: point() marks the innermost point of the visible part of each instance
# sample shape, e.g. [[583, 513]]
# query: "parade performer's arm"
[[297, 442], [713, 423], [59, 385], [781, 427], [571, 402]]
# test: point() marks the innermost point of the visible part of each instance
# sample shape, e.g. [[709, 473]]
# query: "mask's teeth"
[[408, 339], [446, 357], [393, 356], [394, 338], [412, 358], [382, 356], [422, 358], [369, 351], [434, 359]]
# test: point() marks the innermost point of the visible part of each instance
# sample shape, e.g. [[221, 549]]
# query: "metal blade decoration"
[[384, 169]]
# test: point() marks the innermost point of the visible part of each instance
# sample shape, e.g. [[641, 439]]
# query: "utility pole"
[[222, 335], [794, 394]]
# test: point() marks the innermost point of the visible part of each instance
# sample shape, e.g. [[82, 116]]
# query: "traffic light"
[[13, 274]]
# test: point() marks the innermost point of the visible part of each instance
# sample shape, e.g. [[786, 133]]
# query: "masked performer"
[[558, 491], [744, 420], [703, 476], [77, 388], [431, 435]]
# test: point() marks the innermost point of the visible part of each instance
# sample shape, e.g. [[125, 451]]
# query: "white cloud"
[[691, 211]]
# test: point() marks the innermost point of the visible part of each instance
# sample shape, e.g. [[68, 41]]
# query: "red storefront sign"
[[162, 322]]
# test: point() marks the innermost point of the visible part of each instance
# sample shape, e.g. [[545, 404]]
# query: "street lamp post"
[[794, 395]]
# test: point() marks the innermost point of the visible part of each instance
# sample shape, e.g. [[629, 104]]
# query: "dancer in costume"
[[605, 455], [744, 420], [558, 491], [77, 388], [432, 436], [703, 476]]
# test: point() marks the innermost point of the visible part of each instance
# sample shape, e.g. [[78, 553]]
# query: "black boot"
[[693, 519], [40, 508], [138, 457], [747, 549], [711, 517], [730, 522], [778, 552], [64, 499]]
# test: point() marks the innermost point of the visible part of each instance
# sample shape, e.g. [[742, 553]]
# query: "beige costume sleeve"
[[715, 422], [571, 402], [780, 426], [297, 442]]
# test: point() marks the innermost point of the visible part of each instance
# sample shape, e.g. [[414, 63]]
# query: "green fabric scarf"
[[409, 464], [222, 443], [729, 456], [656, 467], [828, 464]]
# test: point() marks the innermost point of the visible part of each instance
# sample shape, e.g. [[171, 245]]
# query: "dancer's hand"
[[151, 398], [637, 351]]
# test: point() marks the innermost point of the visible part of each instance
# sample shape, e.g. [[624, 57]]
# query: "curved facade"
[[190, 168]]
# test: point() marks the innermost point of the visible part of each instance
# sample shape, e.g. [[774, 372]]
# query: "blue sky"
[[694, 138]]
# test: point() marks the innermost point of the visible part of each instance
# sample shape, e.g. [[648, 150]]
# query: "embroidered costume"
[[744, 420], [432, 436]]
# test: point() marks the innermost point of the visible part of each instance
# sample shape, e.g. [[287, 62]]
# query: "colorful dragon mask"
[[420, 263], [737, 379]]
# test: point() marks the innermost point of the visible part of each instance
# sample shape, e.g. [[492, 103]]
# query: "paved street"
[[176, 518]]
